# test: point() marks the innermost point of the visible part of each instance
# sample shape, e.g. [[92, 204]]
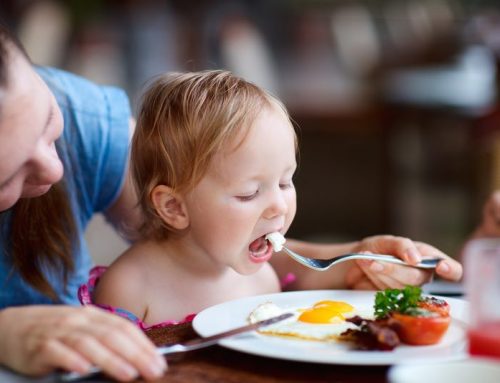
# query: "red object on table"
[[485, 340], [420, 331]]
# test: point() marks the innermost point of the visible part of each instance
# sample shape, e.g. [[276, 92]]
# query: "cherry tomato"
[[420, 330]]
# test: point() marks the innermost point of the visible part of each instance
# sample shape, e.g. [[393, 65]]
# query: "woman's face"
[[30, 122]]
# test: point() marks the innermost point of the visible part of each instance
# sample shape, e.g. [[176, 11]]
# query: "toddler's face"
[[247, 193]]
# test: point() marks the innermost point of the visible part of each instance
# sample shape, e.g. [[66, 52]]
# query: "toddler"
[[213, 157]]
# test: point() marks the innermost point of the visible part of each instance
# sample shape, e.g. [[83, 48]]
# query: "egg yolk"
[[341, 307], [326, 312]]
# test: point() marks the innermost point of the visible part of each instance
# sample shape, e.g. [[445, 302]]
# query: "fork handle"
[[429, 263]]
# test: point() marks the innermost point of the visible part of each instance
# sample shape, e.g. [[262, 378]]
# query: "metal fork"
[[325, 264]]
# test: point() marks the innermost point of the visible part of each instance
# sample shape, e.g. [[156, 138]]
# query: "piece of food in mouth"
[[322, 321], [277, 240], [416, 320]]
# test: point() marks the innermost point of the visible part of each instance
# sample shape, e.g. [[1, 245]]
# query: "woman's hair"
[[42, 234], [183, 121]]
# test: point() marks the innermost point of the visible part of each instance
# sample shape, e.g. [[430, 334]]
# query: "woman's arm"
[[38, 339], [124, 215]]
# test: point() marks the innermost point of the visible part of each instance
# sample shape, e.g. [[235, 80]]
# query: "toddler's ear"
[[170, 207]]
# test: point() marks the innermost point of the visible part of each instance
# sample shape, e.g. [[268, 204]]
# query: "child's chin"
[[249, 268]]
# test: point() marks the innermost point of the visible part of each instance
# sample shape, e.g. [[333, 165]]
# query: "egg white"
[[293, 328]]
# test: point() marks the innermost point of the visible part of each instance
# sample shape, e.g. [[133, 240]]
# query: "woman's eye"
[[247, 197], [286, 185]]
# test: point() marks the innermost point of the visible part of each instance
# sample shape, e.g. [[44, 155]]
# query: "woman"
[[93, 150], [50, 121]]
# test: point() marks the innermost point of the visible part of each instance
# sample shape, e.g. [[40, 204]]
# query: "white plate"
[[232, 314]]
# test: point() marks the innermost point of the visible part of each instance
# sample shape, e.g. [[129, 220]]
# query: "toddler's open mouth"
[[259, 247], [263, 247]]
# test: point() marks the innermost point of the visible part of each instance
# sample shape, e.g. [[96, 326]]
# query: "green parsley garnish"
[[403, 301]]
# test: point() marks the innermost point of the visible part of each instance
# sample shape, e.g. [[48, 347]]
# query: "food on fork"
[[277, 240]]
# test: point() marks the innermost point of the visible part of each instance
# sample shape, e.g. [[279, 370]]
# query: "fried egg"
[[323, 321]]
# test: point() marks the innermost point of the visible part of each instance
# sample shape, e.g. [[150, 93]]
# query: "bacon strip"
[[371, 335]]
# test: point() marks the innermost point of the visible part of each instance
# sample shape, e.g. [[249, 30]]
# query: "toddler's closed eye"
[[286, 185], [248, 197]]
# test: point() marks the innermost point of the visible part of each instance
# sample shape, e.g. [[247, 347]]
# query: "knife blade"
[[190, 345]]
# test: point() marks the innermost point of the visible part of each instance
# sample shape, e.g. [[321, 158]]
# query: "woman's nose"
[[47, 166]]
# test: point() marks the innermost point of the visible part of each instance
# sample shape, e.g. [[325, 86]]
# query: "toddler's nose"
[[277, 207]]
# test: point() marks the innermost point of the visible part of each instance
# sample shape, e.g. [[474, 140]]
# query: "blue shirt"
[[93, 148]]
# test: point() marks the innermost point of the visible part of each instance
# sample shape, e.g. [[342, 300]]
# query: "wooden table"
[[218, 364]]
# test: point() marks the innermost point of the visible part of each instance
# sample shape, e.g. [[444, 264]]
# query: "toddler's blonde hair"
[[183, 121]]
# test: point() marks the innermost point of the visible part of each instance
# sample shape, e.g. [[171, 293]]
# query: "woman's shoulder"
[[82, 95], [95, 142]]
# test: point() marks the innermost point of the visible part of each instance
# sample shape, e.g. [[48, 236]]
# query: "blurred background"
[[395, 100]]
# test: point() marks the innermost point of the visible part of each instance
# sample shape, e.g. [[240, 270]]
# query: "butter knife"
[[190, 345]]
